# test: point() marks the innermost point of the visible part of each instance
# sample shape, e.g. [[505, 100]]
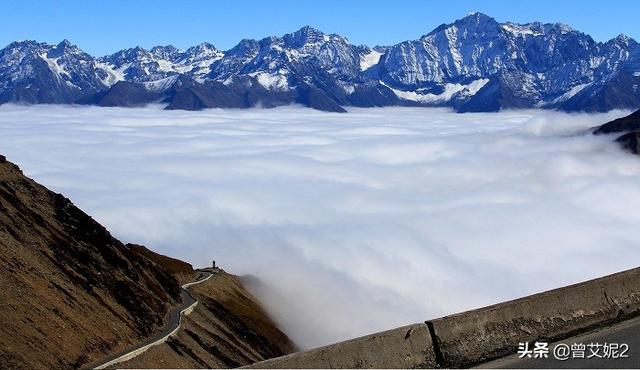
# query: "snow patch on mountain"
[[160, 85], [571, 93], [54, 66], [369, 60], [519, 29], [111, 76], [277, 81], [450, 91]]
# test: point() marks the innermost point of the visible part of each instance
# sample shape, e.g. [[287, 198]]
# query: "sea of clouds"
[[354, 222]]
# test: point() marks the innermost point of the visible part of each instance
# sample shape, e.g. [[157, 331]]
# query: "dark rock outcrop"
[[630, 125], [624, 124]]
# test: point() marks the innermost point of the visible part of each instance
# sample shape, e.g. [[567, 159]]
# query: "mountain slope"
[[34, 72], [65, 277], [72, 294]]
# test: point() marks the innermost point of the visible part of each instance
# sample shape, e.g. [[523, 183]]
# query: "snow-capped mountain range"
[[472, 64]]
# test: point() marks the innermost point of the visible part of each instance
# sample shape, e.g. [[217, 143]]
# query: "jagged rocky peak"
[[306, 35], [245, 47], [23, 44], [623, 41], [203, 50], [197, 60], [470, 21], [128, 55], [34, 72], [65, 45], [15, 52], [167, 52], [477, 19], [19, 49], [204, 46]]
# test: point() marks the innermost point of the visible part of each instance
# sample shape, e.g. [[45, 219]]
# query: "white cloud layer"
[[355, 222]]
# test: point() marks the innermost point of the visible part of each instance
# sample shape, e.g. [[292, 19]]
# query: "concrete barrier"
[[405, 347], [473, 337]]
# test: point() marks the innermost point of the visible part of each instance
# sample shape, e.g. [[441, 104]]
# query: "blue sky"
[[101, 27]]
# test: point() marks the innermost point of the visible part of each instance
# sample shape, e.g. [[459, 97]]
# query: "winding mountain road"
[[169, 328]]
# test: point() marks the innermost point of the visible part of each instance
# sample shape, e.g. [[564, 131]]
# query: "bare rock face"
[[71, 292]]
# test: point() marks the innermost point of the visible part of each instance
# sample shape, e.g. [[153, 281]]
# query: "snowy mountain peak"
[[203, 47], [165, 52], [474, 21], [622, 37], [65, 47], [477, 17], [25, 44], [624, 40], [65, 44], [309, 35], [564, 28], [201, 52], [303, 36]]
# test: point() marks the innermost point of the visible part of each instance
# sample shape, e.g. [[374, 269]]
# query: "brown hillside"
[[71, 293]]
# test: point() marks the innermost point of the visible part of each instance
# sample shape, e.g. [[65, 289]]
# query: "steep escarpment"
[[228, 328], [71, 293]]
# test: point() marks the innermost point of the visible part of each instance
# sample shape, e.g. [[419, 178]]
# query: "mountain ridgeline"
[[474, 64]]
